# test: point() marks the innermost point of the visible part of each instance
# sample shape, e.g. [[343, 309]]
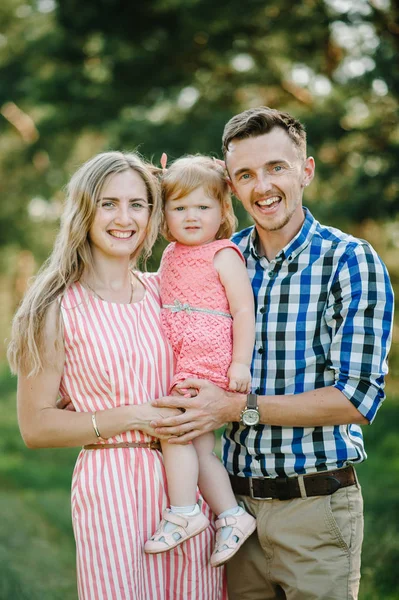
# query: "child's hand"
[[239, 378]]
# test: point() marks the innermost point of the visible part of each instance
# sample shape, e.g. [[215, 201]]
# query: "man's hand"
[[209, 410]]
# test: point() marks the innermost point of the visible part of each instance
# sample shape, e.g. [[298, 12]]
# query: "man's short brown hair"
[[257, 121]]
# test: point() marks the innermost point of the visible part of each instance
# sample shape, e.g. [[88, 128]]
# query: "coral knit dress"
[[116, 354], [195, 311]]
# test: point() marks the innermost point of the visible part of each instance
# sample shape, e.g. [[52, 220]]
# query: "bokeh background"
[[79, 77]]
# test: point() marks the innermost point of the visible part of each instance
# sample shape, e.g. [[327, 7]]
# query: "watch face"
[[250, 417]]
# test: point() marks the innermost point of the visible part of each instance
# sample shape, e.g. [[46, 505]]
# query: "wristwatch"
[[250, 415]]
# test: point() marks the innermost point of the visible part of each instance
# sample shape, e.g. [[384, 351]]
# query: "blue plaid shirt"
[[324, 309]]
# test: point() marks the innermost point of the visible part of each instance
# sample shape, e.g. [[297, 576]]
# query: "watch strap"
[[252, 401]]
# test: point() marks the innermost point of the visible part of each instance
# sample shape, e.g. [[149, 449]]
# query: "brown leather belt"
[[155, 445], [285, 488]]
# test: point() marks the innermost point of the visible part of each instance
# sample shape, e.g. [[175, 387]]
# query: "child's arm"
[[234, 278]]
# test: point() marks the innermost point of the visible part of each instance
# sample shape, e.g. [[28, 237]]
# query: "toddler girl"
[[208, 315]]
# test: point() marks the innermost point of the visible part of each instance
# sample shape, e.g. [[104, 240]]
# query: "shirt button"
[[261, 350], [257, 391], [258, 427], [271, 274], [262, 309], [258, 456]]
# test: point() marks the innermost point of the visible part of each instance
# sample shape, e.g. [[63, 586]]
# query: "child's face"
[[194, 219]]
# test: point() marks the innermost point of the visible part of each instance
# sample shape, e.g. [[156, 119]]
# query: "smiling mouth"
[[268, 202], [121, 235]]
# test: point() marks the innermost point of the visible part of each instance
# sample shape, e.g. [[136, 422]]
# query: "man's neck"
[[270, 243]]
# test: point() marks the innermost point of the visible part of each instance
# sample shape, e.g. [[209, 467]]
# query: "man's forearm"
[[324, 406], [213, 407]]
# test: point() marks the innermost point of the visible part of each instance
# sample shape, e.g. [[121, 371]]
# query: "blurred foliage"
[[379, 477], [165, 75]]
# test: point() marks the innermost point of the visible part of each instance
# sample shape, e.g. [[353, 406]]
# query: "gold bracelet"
[[94, 423]]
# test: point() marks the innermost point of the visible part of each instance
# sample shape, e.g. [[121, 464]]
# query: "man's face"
[[268, 175]]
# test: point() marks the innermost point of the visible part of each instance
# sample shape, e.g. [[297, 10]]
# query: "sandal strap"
[[174, 518], [228, 521]]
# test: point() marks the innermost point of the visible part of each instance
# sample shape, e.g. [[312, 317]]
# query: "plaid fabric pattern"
[[324, 309]]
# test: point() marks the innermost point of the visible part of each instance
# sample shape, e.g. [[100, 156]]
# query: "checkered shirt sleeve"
[[359, 317]]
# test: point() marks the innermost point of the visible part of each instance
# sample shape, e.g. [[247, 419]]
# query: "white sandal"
[[186, 528], [242, 526]]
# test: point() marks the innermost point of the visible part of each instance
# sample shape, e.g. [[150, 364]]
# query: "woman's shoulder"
[[72, 296], [149, 280], [146, 275]]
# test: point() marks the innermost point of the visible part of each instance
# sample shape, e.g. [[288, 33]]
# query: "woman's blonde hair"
[[187, 174], [71, 254]]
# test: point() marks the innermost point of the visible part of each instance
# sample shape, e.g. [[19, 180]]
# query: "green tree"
[[165, 75]]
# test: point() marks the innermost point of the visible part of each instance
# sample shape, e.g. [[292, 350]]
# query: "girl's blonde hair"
[[71, 254], [187, 174]]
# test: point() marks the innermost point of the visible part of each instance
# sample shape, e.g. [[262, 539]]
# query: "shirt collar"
[[294, 247]]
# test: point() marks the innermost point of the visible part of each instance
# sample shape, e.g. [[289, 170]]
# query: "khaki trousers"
[[303, 549]]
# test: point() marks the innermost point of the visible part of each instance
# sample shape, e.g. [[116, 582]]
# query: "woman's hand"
[[146, 414], [142, 415], [209, 410]]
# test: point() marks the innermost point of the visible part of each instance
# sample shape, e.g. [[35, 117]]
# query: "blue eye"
[[179, 208], [107, 204], [138, 206], [203, 207], [278, 168]]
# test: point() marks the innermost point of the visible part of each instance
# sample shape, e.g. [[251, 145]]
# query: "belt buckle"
[[251, 491]]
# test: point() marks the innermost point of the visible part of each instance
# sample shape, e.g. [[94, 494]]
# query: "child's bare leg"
[[181, 466], [184, 518], [213, 479], [234, 525]]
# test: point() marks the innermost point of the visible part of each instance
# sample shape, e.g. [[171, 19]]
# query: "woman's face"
[[121, 217]]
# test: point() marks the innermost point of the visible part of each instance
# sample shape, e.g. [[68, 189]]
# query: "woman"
[[89, 328]]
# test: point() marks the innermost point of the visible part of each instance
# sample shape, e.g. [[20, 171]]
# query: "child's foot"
[[175, 529], [231, 532]]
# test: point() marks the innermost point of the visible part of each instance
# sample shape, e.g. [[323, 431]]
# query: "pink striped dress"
[[116, 354]]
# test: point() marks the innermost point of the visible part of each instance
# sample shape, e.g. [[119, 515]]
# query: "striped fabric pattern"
[[117, 355], [324, 309]]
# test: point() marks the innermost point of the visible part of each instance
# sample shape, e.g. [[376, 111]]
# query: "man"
[[324, 308]]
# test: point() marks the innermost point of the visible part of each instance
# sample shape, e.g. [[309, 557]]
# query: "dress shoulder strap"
[[222, 244]]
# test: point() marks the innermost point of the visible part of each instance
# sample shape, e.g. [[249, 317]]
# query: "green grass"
[[37, 550]]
